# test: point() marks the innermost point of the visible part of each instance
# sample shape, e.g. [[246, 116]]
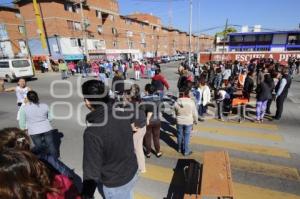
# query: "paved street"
[[265, 158]]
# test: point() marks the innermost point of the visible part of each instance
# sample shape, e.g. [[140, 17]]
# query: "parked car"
[[181, 57], [165, 59], [13, 69]]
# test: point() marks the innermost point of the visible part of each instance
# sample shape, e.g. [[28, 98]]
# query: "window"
[[99, 44], [114, 31], [127, 21], [4, 64], [3, 32], [249, 38], [129, 33], [20, 63], [294, 39], [98, 14], [115, 44], [143, 38], [21, 29], [236, 38], [143, 45], [264, 38], [75, 42], [111, 17], [130, 44], [18, 15], [23, 48], [71, 8], [100, 29], [77, 25]]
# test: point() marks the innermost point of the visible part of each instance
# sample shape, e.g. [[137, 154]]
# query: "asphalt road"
[[265, 158]]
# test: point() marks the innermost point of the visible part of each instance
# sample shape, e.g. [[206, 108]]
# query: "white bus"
[[13, 69]]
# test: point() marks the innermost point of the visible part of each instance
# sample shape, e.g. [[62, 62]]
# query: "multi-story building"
[[108, 34], [278, 41], [12, 33]]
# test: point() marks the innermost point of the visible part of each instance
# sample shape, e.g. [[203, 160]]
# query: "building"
[[278, 41], [108, 34], [12, 33]]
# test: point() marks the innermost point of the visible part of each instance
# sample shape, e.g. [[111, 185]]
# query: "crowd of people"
[[114, 155]]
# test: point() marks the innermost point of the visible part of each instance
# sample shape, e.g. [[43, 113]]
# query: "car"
[[13, 69], [165, 59], [181, 57]]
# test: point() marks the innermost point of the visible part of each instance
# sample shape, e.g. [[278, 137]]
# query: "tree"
[[225, 32]]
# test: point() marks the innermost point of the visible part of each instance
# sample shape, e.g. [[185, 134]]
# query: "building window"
[[129, 33], [21, 29], [18, 15], [127, 21], [294, 39], [3, 32], [99, 44], [73, 25], [114, 32], [143, 38], [71, 7], [130, 44], [249, 38], [98, 14], [115, 44], [100, 29], [75, 42], [111, 17], [264, 38], [143, 45]]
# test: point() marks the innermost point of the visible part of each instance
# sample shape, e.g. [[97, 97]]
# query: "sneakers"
[[159, 154], [189, 153], [148, 155]]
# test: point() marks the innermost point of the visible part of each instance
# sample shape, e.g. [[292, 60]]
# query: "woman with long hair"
[[22, 176]]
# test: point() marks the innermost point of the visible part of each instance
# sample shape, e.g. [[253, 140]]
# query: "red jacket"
[[162, 79]]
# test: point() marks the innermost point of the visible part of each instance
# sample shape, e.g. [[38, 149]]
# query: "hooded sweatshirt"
[[108, 154]]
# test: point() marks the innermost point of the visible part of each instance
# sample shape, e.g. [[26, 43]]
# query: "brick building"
[[109, 34], [12, 40]]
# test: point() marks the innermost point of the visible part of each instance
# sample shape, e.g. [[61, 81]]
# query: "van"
[[13, 69]]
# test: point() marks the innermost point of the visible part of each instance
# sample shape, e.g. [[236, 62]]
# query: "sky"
[[271, 14], [207, 14]]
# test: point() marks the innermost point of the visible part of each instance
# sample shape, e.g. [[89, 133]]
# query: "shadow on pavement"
[[179, 184]]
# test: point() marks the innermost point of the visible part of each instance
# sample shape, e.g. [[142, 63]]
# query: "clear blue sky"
[[272, 14]]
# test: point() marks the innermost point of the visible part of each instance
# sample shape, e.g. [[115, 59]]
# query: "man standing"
[[282, 89], [108, 154], [159, 82], [248, 86]]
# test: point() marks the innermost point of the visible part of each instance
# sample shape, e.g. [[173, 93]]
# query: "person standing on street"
[[137, 70], [152, 109], [108, 150], [36, 117], [186, 116], [282, 89], [248, 86], [21, 91], [63, 68], [159, 82], [263, 94]]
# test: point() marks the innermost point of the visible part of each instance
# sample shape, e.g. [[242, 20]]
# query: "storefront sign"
[[281, 57], [73, 57]]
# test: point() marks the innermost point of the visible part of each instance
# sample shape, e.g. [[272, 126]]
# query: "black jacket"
[[108, 154], [263, 92], [248, 87]]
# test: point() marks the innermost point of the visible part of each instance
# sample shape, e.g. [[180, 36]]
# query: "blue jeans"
[[44, 144], [202, 109], [124, 192], [261, 107], [184, 132]]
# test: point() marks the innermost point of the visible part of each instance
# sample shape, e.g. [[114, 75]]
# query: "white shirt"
[[21, 94]]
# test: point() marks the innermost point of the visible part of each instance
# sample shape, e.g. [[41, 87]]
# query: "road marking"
[[266, 169], [251, 148], [140, 196], [241, 191], [245, 124], [239, 133]]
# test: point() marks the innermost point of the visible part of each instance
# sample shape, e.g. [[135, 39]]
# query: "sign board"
[[281, 57]]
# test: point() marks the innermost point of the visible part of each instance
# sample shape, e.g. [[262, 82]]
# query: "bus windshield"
[[20, 63]]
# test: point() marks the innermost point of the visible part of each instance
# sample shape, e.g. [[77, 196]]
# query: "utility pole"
[[84, 26], [190, 32], [224, 37], [170, 13], [39, 24]]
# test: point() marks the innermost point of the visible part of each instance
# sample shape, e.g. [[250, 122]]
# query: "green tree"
[[225, 32]]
